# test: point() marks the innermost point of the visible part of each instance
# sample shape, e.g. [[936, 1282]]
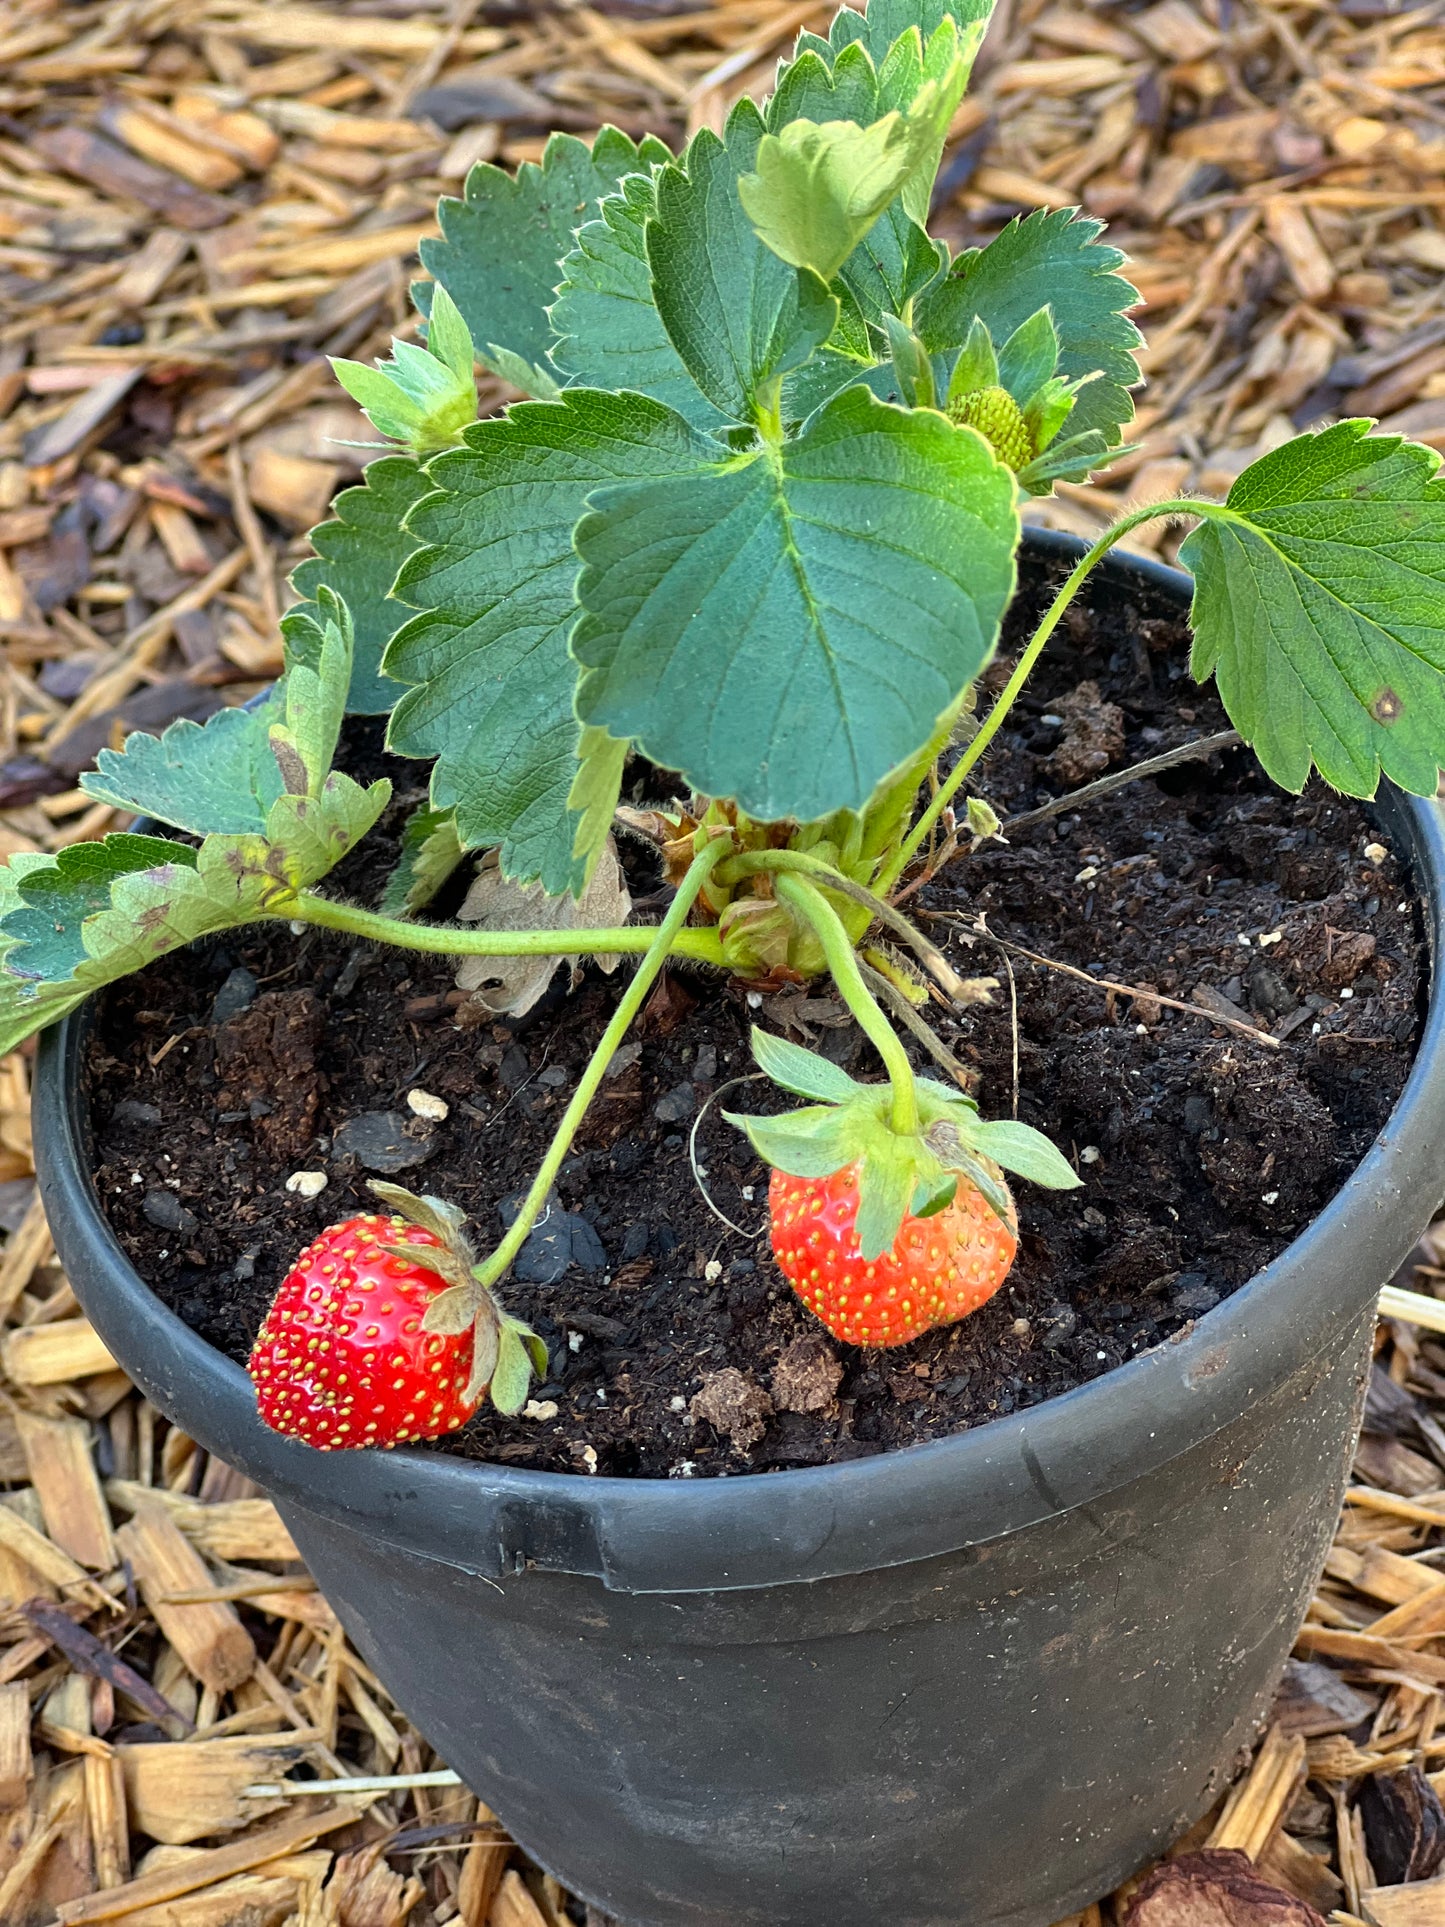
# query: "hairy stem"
[[810, 902], [451, 940], [1022, 670], [663, 939]]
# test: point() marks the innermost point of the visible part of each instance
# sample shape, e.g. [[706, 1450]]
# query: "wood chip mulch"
[[199, 201]]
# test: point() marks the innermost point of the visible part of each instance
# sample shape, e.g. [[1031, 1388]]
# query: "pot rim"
[[819, 1522]]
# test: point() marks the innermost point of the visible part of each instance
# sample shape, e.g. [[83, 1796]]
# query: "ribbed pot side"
[[971, 1684]]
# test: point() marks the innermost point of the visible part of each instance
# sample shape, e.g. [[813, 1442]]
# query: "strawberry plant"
[[754, 519]]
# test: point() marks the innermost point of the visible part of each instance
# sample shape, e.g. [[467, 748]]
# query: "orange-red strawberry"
[[937, 1270], [341, 1358]]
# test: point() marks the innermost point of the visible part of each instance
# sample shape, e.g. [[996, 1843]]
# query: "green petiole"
[[448, 940], [810, 903], [663, 944], [994, 721]]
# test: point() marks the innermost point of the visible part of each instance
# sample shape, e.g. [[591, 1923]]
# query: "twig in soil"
[[1013, 1012], [754, 1077], [1091, 792], [1110, 983], [1412, 1308], [910, 1019], [362, 1783]]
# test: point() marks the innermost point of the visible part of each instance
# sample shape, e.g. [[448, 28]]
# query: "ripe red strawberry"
[[937, 1270], [341, 1358]]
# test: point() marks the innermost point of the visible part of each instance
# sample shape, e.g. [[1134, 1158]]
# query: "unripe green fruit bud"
[[999, 419]]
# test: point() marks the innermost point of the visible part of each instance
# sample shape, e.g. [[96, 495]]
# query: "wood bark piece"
[[1421, 1904], [51, 1354], [514, 1905], [205, 1869], [42, 1555], [111, 169], [16, 1763], [62, 1470], [239, 1529], [1256, 1808], [209, 1638], [180, 1793], [91, 1656], [482, 1872], [106, 1811], [1215, 1889]]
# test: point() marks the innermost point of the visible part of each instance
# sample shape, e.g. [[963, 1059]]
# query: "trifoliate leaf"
[[786, 628], [217, 776], [1050, 259], [502, 243], [1318, 599], [492, 700], [430, 851], [610, 334], [736, 314], [802, 1071], [96, 912], [358, 556]]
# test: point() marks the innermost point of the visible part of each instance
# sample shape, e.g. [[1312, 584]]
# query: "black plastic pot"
[[971, 1684]]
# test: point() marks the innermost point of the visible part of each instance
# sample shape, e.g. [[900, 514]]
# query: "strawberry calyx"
[[900, 1174], [506, 1352]]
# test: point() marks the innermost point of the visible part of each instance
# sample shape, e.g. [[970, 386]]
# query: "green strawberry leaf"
[[1050, 259], [424, 397], [430, 852], [96, 912], [1319, 587], [786, 627], [820, 87], [886, 21], [802, 1071], [610, 333], [358, 556], [320, 648], [487, 655], [501, 244], [596, 787], [736, 313], [218, 776]]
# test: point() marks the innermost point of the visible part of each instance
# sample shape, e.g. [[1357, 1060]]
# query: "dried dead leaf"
[[512, 985]]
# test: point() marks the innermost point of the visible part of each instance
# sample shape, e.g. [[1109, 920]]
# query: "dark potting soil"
[[676, 1347]]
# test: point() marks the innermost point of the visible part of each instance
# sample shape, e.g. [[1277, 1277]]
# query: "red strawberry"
[[937, 1270], [342, 1360]]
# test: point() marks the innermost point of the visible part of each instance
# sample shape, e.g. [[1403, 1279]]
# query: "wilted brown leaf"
[[514, 984], [1215, 1889]]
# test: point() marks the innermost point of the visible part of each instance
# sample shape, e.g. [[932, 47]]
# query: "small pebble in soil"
[[306, 1184], [236, 994], [426, 1104], [380, 1141], [165, 1211], [540, 1408], [677, 1106]]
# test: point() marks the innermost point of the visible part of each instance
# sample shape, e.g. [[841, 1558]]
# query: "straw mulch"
[[200, 200]]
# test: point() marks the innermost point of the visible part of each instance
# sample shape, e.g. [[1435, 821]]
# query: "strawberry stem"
[[663, 944], [809, 902], [1022, 670], [452, 940]]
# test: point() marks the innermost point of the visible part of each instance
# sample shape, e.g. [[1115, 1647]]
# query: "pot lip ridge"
[[812, 1523]]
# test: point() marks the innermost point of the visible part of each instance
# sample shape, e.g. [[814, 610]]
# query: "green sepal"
[[888, 1174], [520, 1355], [977, 364], [1029, 357], [801, 1071], [911, 365], [442, 1219]]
